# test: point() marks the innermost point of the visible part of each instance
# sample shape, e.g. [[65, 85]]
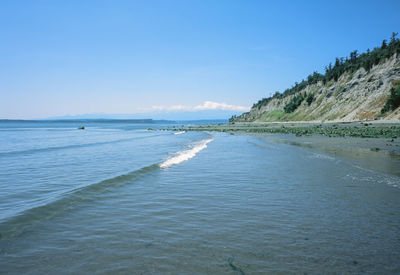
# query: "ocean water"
[[117, 198]]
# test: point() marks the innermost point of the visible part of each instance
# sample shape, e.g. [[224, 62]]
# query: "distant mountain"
[[158, 115]]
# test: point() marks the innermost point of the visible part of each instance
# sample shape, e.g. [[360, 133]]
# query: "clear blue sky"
[[74, 57]]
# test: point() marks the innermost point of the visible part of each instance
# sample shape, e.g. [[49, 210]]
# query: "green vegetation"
[[294, 103], [275, 115], [309, 99], [265, 101], [393, 101], [233, 118], [333, 72]]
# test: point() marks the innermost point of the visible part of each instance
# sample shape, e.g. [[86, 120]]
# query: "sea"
[[125, 197]]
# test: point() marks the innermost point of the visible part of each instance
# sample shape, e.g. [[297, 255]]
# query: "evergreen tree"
[[384, 45], [393, 38], [342, 65]]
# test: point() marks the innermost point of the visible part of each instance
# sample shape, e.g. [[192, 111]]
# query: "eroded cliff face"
[[357, 96]]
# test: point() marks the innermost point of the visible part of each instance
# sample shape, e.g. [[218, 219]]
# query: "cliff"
[[357, 95]]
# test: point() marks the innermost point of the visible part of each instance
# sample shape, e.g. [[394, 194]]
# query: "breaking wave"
[[16, 225], [186, 154]]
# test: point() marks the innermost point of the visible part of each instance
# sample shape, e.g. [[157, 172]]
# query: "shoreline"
[[372, 153], [363, 129], [368, 145]]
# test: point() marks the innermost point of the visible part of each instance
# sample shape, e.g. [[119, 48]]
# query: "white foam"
[[186, 154], [179, 133]]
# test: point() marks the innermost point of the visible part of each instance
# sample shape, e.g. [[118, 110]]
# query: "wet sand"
[[369, 144], [373, 153]]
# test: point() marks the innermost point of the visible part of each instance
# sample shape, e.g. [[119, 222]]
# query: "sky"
[[128, 57]]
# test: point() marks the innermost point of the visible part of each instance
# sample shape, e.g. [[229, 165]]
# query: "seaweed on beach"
[[335, 130]]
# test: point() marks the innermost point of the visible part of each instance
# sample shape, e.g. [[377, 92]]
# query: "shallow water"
[[116, 198]]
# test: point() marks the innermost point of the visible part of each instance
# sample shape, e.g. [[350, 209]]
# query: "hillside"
[[349, 91]]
